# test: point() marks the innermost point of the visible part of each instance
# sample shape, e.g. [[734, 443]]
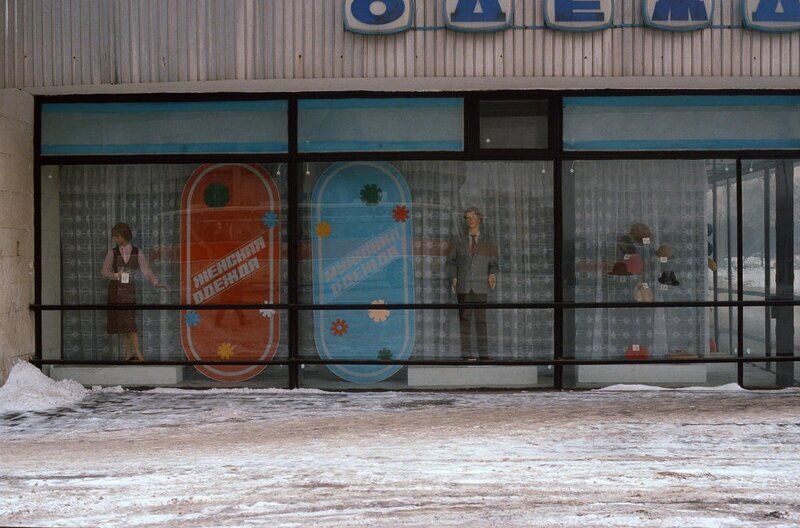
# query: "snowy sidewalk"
[[306, 458]]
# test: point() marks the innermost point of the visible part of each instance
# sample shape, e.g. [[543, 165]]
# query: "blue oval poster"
[[362, 254]]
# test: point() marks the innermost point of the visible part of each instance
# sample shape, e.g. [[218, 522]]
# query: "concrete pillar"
[[16, 228]]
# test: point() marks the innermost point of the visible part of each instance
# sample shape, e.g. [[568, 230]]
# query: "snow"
[[631, 456], [27, 389]]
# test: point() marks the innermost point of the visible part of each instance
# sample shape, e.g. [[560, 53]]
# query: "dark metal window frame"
[[554, 154]]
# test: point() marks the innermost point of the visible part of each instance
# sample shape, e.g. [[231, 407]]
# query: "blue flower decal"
[[270, 219], [192, 318]]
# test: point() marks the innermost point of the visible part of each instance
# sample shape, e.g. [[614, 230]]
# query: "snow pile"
[[27, 389], [730, 387]]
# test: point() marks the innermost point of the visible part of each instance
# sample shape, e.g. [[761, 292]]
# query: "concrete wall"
[[16, 228]]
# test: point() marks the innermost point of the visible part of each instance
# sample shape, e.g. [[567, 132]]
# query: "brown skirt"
[[121, 321]]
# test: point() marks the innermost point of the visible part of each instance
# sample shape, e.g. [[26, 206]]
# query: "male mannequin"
[[471, 267]]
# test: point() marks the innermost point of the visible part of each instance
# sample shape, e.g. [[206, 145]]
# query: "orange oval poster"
[[230, 253]]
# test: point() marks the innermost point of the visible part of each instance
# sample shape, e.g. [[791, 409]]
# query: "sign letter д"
[[771, 15], [478, 15]]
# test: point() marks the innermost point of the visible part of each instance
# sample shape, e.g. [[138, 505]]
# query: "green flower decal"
[[385, 354], [216, 195], [371, 194]]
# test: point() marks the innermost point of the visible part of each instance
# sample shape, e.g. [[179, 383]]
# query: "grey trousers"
[[465, 316]]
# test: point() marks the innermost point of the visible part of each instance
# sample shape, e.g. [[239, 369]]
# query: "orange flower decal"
[[400, 213], [323, 230], [225, 351], [339, 327]]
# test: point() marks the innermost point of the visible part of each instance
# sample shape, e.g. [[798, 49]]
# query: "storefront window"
[[771, 268], [400, 233], [394, 124], [682, 122], [166, 234], [164, 128], [650, 231], [513, 124]]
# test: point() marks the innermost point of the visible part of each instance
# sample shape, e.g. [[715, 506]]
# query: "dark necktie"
[[473, 243]]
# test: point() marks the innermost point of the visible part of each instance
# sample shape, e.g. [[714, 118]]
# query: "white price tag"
[[646, 241], [644, 285], [622, 280], [626, 257], [664, 287], [124, 277], [663, 259], [635, 348]]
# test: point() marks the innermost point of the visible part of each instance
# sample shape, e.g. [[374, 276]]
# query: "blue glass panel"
[[683, 122], [164, 128], [359, 125]]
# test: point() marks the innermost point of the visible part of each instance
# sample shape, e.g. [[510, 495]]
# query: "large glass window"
[[771, 268], [682, 122], [164, 128], [165, 234], [395, 124], [427, 232], [643, 232]]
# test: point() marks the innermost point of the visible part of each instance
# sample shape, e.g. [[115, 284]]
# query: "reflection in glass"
[[513, 124], [208, 233], [512, 335], [647, 333], [770, 267], [649, 231]]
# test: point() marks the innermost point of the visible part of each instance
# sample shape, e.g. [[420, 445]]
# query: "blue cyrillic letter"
[[394, 9], [767, 11], [680, 10], [587, 11], [490, 11]]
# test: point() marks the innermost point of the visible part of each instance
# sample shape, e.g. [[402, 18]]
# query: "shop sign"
[[771, 15], [362, 234], [578, 15], [230, 254], [380, 17], [678, 15]]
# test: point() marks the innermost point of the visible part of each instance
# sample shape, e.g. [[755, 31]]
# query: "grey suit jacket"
[[472, 269]]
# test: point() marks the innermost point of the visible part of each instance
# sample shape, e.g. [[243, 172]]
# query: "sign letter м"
[[679, 10]]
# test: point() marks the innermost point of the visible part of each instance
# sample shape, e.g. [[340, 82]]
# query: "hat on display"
[[668, 278], [619, 269], [642, 293], [625, 244], [640, 231], [635, 264], [641, 353], [712, 264], [664, 251]]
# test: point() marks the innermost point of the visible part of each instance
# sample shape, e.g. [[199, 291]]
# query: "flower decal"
[[192, 318], [400, 213], [270, 219], [323, 230], [371, 194], [378, 315], [385, 354], [267, 312], [225, 351], [216, 195], [339, 327]]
